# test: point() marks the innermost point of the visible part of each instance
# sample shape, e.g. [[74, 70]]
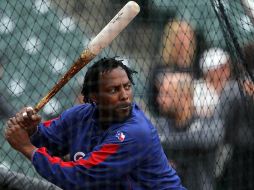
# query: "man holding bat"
[[112, 144]]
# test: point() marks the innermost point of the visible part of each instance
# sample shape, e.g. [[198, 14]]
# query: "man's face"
[[184, 47], [115, 95], [168, 98], [179, 44]]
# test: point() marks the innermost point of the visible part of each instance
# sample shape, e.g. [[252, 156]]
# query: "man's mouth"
[[124, 106]]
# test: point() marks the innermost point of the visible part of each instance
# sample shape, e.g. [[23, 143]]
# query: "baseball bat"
[[102, 40]]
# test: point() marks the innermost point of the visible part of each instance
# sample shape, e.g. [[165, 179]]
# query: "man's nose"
[[123, 94]]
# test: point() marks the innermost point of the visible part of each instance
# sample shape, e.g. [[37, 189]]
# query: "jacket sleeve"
[[52, 134], [111, 160]]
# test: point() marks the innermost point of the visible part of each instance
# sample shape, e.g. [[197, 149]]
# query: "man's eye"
[[127, 87], [112, 90]]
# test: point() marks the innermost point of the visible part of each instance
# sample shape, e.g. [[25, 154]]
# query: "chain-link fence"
[[195, 82]]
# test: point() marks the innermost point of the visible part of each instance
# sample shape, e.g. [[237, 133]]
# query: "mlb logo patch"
[[120, 136]]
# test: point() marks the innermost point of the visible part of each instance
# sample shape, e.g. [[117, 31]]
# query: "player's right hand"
[[27, 119]]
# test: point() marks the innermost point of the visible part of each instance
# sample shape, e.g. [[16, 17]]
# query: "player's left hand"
[[17, 137]]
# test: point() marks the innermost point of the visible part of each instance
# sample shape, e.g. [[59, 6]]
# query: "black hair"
[[92, 77]]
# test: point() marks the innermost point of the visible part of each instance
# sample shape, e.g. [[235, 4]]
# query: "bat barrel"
[[114, 27]]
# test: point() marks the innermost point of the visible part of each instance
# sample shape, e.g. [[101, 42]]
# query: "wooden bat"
[[102, 40]]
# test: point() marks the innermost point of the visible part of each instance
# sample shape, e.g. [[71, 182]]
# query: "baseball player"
[[111, 143]]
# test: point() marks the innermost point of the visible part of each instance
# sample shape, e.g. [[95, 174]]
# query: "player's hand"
[[27, 119], [248, 87], [19, 139]]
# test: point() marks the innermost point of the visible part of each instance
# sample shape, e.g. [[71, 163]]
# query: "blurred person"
[[237, 108], [248, 84], [111, 142], [215, 64], [190, 140], [217, 77], [172, 85], [182, 45], [179, 44]]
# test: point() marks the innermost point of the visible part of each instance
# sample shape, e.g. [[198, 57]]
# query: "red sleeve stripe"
[[48, 123], [96, 157]]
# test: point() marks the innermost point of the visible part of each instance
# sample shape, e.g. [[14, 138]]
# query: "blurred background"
[[195, 61]]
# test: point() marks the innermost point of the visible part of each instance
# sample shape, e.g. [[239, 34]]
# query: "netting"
[[195, 78]]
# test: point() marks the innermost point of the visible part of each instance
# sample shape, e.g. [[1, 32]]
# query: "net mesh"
[[182, 39]]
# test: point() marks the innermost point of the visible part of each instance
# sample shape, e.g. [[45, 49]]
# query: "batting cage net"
[[195, 63]]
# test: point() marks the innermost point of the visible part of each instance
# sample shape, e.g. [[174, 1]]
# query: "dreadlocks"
[[92, 77]]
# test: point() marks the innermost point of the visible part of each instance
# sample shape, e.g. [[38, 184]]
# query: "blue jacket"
[[127, 155]]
